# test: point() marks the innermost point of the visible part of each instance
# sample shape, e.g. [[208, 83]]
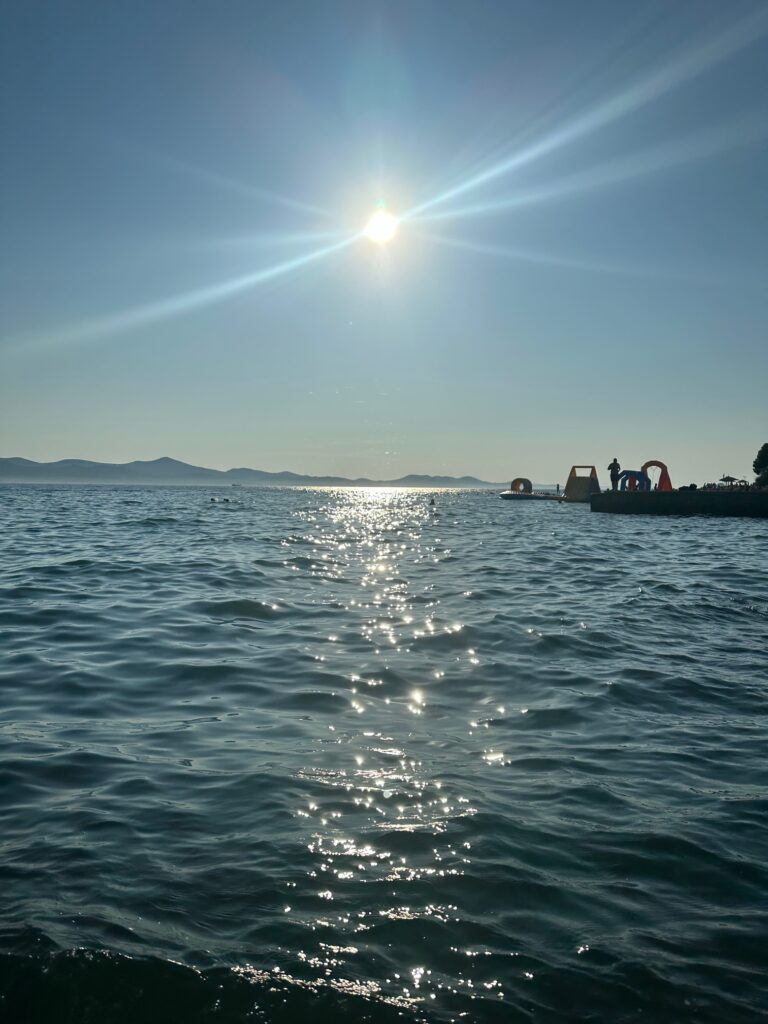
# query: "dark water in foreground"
[[333, 756]]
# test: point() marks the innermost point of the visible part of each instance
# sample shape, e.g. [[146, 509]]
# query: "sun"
[[381, 228]]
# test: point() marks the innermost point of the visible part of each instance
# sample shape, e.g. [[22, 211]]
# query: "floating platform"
[[529, 496], [752, 504]]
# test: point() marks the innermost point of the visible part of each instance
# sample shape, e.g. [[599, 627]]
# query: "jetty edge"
[[751, 504], [632, 492]]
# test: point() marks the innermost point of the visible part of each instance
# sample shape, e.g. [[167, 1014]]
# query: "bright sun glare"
[[381, 228]]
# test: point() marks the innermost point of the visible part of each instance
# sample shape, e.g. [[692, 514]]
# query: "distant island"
[[165, 472]]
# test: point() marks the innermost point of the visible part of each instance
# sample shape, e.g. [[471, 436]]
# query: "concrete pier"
[[753, 504]]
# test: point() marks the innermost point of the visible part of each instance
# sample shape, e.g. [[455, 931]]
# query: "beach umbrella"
[[727, 479]]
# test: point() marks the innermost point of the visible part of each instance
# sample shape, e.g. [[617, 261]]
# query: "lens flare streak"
[[140, 316], [543, 259], [222, 181], [616, 172], [644, 92]]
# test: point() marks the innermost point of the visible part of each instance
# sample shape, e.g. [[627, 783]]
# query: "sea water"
[[341, 755]]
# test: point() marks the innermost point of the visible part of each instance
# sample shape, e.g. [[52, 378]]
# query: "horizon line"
[[248, 469]]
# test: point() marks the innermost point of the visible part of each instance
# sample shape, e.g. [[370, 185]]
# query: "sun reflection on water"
[[384, 813]]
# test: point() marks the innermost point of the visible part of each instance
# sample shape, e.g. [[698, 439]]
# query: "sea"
[[344, 755]]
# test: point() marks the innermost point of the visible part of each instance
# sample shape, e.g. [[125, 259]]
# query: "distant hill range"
[[163, 472]]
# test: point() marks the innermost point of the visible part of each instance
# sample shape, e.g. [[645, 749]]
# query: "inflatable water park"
[[637, 492]]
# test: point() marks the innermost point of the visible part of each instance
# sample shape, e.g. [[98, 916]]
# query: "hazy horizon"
[[579, 270], [227, 468]]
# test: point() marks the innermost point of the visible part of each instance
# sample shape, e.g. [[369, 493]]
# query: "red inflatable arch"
[[664, 484]]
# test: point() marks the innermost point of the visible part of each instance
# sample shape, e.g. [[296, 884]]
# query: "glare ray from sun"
[[140, 316], [640, 164], [222, 181], [542, 259], [274, 238], [687, 66]]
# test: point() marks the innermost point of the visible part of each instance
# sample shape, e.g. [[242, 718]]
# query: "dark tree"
[[760, 466]]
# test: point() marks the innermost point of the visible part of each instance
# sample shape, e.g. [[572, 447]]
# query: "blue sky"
[[579, 273]]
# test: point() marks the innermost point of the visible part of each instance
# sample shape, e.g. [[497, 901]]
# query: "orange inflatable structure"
[[521, 485], [664, 484], [581, 488]]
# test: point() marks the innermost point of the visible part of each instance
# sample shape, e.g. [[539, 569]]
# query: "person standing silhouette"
[[614, 469]]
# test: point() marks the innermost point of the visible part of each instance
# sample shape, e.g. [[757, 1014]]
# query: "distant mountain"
[[167, 471]]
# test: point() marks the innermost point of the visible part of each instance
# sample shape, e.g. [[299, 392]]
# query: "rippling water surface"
[[336, 755]]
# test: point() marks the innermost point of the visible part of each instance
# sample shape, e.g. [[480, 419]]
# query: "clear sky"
[[579, 272]]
